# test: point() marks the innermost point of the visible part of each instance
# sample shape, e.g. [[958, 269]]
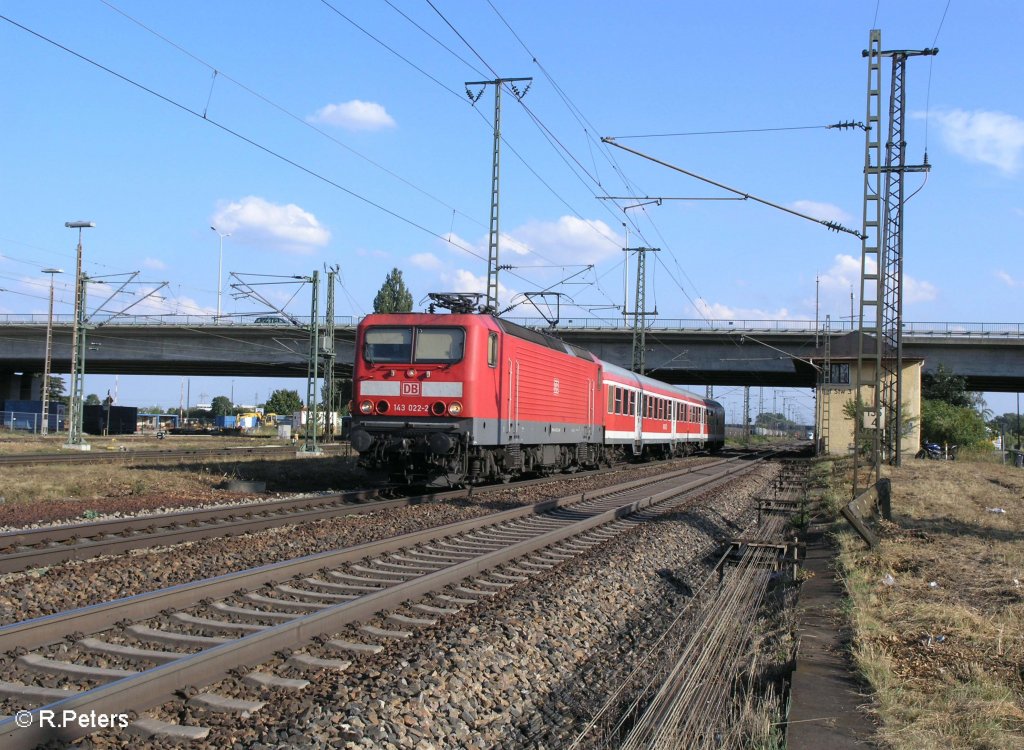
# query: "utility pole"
[[746, 415], [77, 347], [492, 247], [328, 350], [45, 426], [641, 312], [881, 292], [817, 297], [312, 366]]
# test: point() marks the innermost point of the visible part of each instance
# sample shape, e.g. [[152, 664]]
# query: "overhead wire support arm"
[[832, 225]]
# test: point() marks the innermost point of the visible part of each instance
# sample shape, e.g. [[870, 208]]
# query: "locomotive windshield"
[[404, 345]]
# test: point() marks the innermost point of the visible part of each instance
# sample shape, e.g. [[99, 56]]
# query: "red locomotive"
[[469, 397]]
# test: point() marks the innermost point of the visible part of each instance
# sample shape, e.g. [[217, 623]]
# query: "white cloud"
[[354, 115], [915, 290], [718, 311], [568, 240], [845, 273], [154, 264], [257, 221], [461, 280], [822, 211], [426, 261], [1007, 279], [993, 138]]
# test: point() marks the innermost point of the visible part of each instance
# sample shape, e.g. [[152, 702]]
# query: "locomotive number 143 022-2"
[[412, 408]]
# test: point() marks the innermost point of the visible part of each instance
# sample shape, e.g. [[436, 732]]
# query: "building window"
[[839, 374]]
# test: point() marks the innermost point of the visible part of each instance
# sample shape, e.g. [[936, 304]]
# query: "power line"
[[721, 132], [267, 150], [302, 121]]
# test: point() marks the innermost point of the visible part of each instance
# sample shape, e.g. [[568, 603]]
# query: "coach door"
[[512, 421], [588, 428], [638, 423]]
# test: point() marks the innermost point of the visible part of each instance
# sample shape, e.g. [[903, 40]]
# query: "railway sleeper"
[[34, 694], [216, 625], [171, 638], [147, 727], [218, 703], [307, 662], [128, 652], [43, 665]]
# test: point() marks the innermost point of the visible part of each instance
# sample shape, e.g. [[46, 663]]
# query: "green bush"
[[942, 422]]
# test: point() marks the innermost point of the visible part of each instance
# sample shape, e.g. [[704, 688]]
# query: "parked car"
[[271, 320]]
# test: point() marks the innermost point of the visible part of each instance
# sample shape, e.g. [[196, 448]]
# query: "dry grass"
[[52, 492], [19, 442], [943, 647]]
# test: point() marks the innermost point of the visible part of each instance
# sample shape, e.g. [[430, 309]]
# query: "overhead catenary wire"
[[266, 149]]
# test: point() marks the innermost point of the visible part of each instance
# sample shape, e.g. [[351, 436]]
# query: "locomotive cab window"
[[388, 345], [393, 345], [439, 345]]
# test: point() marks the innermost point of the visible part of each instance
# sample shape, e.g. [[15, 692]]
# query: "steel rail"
[[156, 685]]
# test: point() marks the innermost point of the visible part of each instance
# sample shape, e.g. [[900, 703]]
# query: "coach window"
[[492, 349], [632, 403], [439, 345], [387, 345]]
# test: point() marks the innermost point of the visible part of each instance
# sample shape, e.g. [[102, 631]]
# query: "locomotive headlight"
[[455, 408], [410, 373], [366, 407]]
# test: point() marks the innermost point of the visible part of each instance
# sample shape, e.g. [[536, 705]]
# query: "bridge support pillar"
[[18, 386]]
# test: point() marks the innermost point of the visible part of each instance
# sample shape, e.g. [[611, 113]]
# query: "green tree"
[[942, 422], [944, 385], [394, 296], [1010, 424], [283, 402], [57, 389], [221, 406], [92, 400], [342, 395]]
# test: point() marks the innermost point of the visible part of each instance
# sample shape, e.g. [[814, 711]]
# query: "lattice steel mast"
[[494, 233], [882, 247], [640, 312]]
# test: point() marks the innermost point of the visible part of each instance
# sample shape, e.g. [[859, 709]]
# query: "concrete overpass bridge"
[[716, 352]]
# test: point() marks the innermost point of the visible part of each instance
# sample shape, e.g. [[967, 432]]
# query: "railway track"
[[33, 548], [126, 656], [25, 549], [135, 456]]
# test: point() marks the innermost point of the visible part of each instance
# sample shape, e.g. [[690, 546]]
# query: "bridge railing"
[[935, 329]]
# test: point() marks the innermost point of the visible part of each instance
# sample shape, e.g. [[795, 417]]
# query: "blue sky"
[[390, 164]]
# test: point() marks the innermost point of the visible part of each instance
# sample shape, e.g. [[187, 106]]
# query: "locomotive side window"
[[492, 350], [440, 345], [388, 345]]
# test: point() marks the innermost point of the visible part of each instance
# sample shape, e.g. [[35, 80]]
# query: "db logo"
[[410, 389]]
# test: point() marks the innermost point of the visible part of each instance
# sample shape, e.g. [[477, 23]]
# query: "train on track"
[[457, 398]]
